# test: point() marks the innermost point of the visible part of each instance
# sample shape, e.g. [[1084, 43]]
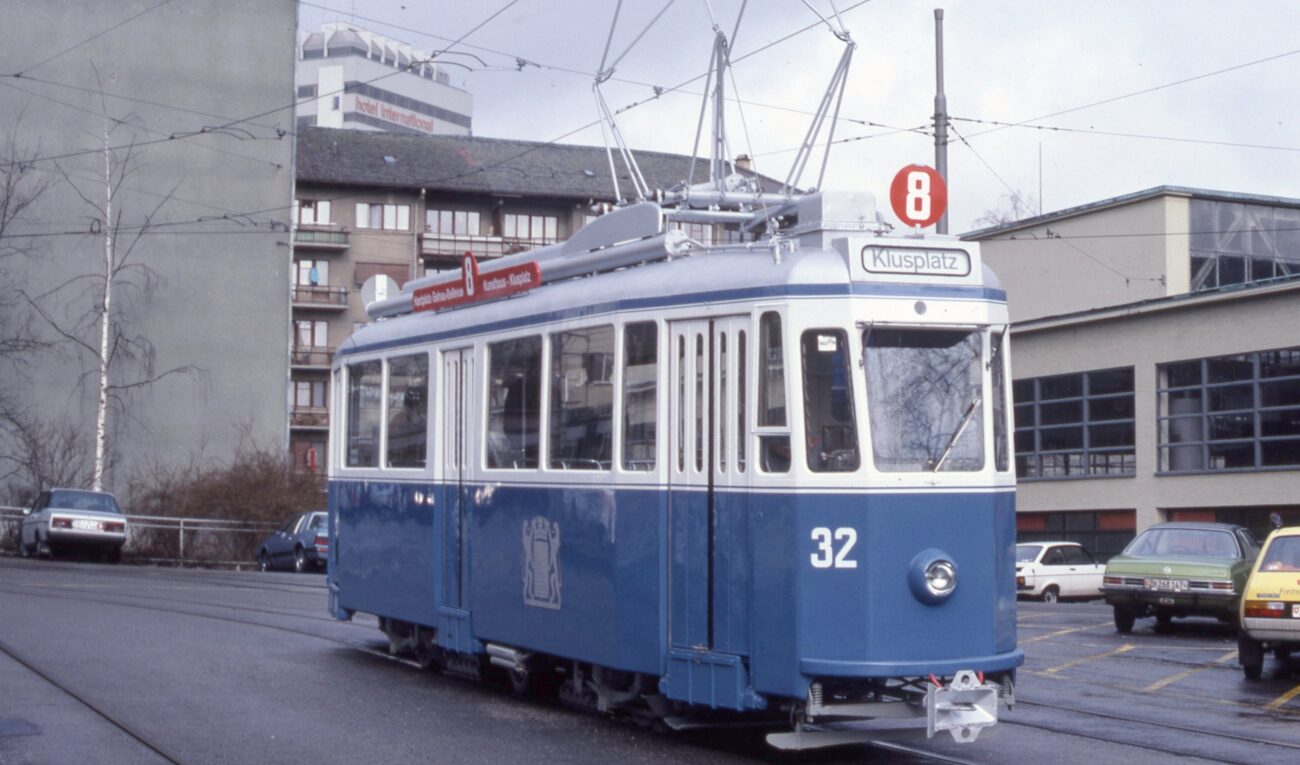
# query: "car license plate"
[[1169, 585], [82, 523]]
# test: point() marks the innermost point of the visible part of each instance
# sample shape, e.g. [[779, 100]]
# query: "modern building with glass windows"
[[1156, 362], [350, 77]]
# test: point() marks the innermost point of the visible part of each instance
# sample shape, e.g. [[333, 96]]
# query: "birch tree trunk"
[[101, 415]]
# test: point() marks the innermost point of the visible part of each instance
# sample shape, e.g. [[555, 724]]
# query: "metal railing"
[[321, 296], [309, 417], [324, 238], [483, 247], [312, 356], [194, 536]]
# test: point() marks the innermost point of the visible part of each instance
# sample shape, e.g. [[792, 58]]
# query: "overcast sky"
[[1009, 61]]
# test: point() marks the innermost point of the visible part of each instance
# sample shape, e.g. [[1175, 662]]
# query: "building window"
[[311, 273], [1235, 243], [1230, 412], [312, 212], [537, 229], [312, 334], [1075, 425], [452, 222], [384, 216], [309, 394], [700, 232]]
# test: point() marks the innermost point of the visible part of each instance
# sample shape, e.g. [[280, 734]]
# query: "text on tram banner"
[[473, 287]]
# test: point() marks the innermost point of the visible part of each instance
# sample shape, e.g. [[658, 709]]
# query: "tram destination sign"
[[474, 287], [914, 262]]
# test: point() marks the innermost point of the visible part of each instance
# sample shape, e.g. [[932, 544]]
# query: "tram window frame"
[[357, 410], [772, 429], [822, 424], [634, 440], [530, 432], [596, 373], [413, 407]]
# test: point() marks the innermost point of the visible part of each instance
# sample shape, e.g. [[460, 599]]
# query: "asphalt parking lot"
[[138, 664]]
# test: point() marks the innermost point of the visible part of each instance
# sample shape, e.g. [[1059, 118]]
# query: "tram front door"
[[707, 456]]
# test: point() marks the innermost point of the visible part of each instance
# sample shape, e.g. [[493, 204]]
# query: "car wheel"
[[24, 550], [1124, 619], [1051, 595], [299, 560], [1250, 654], [1283, 653], [263, 561]]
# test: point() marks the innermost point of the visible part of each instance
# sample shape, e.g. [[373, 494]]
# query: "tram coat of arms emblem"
[[541, 563]]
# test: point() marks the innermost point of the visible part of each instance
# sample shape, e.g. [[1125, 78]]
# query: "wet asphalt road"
[[125, 664]]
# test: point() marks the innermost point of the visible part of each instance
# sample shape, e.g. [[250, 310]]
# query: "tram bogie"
[[769, 480]]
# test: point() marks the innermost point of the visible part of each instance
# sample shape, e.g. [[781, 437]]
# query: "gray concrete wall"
[[1212, 325], [217, 300]]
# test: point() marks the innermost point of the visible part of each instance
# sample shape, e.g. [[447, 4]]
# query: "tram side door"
[[702, 398], [457, 443]]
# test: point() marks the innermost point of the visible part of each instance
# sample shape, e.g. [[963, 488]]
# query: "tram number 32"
[[833, 547]]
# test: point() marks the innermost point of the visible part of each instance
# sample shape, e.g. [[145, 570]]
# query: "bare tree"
[[21, 187], [1012, 206], [122, 360]]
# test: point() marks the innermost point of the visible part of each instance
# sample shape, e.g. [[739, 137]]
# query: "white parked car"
[[70, 520], [1057, 570]]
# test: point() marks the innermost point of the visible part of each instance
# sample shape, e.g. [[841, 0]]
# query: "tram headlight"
[[932, 576]]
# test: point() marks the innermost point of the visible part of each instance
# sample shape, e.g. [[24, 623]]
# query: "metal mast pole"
[[940, 114]]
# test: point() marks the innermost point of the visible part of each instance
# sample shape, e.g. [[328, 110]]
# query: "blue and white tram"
[[770, 478]]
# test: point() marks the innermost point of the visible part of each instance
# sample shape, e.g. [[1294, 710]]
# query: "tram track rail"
[[1136, 742]]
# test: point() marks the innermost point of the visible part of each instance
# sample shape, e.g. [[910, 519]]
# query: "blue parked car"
[[301, 545]]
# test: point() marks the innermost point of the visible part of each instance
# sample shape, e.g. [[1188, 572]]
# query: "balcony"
[[309, 418], [443, 251], [320, 238], [311, 357], [320, 297]]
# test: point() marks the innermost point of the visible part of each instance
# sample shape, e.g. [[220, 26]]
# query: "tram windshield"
[[924, 393]]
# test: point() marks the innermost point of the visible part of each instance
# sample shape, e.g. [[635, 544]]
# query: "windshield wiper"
[[956, 434]]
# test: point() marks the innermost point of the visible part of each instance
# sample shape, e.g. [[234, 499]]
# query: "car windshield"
[[1199, 543], [318, 522], [84, 500], [1283, 555], [1027, 553]]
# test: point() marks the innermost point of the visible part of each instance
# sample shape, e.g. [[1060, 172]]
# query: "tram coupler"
[[964, 707]]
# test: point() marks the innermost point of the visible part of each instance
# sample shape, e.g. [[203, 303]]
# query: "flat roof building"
[[1156, 362], [349, 77]]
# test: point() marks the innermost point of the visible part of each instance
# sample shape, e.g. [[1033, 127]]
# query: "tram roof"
[[471, 164], [713, 277]]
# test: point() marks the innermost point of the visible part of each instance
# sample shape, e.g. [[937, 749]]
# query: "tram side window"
[[514, 403], [829, 429], [640, 394], [998, 364], [408, 411], [582, 399], [774, 448], [365, 412]]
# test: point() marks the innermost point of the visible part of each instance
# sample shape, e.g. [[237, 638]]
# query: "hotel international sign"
[[388, 113]]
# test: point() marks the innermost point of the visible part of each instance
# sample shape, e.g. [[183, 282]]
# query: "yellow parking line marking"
[[1157, 685], [1283, 699], [1086, 659], [1058, 633]]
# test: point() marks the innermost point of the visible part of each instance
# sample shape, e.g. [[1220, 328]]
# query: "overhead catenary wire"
[[90, 39], [1119, 134]]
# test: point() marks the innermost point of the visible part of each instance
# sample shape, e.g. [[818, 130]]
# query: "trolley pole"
[[940, 114]]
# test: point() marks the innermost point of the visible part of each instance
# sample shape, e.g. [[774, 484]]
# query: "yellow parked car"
[[1270, 603]]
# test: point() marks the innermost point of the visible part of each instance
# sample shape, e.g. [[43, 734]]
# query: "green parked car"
[[1180, 569]]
